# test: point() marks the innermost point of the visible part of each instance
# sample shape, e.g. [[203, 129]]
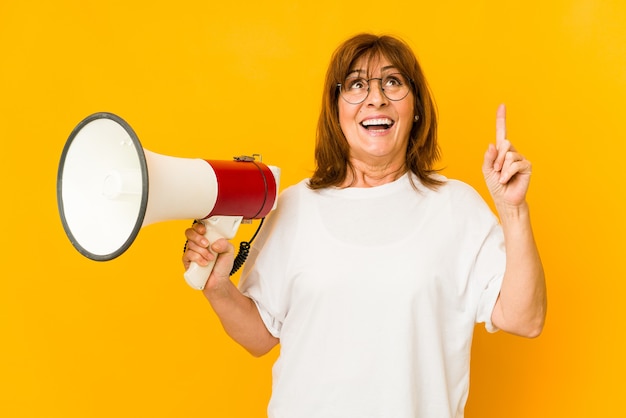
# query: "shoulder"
[[290, 204], [461, 201], [293, 195], [457, 189]]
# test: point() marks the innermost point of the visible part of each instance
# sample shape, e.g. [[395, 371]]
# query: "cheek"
[[347, 119], [409, 108]]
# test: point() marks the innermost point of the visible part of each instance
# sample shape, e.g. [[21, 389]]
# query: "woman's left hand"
[[506, 171]]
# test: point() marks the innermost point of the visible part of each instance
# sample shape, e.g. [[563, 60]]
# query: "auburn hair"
[[331, 149]]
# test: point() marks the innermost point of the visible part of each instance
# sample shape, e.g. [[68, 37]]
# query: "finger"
[[500, 125], [222, 246], [193, 235], [224, 262], [194, 257], [515, 164], [511, 171], [504, 148], [200, 249], [199, 254], [199, 227], [490, 158]]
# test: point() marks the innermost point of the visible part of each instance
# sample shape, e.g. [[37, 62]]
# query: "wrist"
[[513, 213], [218, 289]]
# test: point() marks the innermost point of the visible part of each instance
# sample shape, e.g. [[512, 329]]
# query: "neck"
[[364, 175]]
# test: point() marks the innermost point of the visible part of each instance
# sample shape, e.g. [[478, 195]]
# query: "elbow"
[[261, 348], [532, 331], [522, 319], [529, 331], [534, 327], [255, 352], [529, 328]]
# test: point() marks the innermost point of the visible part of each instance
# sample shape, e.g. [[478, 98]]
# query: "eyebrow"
[[361, 71]]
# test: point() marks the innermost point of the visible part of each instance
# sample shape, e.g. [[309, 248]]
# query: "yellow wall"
[[128, 338]]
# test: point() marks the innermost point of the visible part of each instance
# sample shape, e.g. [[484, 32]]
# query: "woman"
[[373, 273]]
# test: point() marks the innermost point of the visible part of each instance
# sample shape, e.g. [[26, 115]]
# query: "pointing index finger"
[[500, 125]]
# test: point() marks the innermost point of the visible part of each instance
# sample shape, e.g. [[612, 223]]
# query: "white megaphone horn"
[[109, 187]]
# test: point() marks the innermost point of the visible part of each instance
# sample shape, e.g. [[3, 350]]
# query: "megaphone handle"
[[216, 227]]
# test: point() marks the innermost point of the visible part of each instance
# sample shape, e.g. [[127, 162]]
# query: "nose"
[[375, 94]]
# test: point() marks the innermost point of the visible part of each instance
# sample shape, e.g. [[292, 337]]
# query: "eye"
[[355, 83], [393, 81]]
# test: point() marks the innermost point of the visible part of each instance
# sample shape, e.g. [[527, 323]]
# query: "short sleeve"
[[265, 275], [489, 272]]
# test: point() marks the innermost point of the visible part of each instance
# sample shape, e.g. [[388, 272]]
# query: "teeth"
[[382, 121]]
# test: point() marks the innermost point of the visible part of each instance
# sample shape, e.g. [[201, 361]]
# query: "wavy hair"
[[331, 149]]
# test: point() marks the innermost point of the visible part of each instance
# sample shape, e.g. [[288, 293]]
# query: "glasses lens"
[[395, 86], [355, 89]]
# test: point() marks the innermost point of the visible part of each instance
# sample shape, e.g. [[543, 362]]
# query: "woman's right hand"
[[197, 250]]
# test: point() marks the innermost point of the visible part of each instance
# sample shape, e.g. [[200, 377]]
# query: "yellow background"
[[128, 338]]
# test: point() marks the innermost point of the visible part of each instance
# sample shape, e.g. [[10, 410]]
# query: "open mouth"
[[377, 124]]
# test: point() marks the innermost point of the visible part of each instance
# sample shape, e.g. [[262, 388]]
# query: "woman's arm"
[[522, 303], [238, 314]]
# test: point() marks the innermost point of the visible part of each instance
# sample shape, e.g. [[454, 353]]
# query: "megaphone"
[[109, 187]]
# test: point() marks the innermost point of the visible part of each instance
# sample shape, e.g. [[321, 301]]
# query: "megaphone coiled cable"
[[244, 246], [244, 250]]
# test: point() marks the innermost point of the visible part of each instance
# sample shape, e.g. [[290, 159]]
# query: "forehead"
[[370, 65]]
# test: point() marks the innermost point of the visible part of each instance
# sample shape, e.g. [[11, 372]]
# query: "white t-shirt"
[[374, 294]]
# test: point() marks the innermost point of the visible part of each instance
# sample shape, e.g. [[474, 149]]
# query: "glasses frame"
[[382, 89]]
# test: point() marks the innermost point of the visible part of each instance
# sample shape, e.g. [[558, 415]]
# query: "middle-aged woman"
[[372, 273]]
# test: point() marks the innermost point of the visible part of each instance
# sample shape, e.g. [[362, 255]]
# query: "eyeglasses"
[[356, 89]]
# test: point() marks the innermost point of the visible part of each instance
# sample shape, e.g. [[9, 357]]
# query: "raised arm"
[[521, 305], [239, 315]]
